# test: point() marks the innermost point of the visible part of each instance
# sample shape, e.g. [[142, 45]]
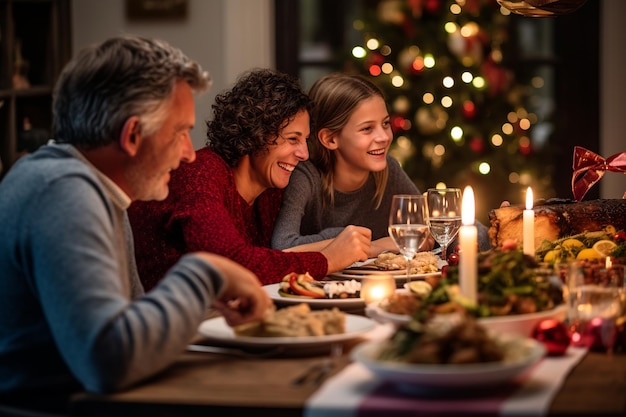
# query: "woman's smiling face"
[[274, 166]]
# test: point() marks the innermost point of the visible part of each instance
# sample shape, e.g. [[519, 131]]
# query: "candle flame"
[[529, 198], [467, 206]]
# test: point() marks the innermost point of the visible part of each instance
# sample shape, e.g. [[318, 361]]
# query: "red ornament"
[[444, 270], [453, 259], [599, 334], [433, 6], [620, 236], [468, 109], [477, 144], [554, 335]]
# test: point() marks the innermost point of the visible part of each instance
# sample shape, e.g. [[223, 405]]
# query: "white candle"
[[529, 224], [468, 242]]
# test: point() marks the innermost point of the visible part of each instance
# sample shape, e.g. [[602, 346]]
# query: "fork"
[[317, 372]]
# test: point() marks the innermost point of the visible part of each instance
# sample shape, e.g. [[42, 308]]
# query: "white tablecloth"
[[356, 392]]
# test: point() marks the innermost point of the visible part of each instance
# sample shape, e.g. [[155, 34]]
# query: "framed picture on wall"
[[156, 9]]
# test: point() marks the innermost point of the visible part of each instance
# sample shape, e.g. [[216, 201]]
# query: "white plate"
[[521, 353], [217, 329], [314, 303], [520, 324], [361, 268], [399, 276]]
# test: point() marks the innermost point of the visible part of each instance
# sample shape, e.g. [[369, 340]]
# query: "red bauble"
[[599, 334], [433, 6], [453, 259], [620, 236], [554, 335], [468, 109], [477, 145]]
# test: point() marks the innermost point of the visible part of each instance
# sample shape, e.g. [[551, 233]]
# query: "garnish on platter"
[[596, 244], [305, 286], [509, 283]]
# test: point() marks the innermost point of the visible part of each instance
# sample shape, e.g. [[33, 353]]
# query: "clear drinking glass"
[[596, 299], [408, 225], [444, 215]]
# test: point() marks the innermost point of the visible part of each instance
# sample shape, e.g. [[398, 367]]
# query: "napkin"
[[355, 392]]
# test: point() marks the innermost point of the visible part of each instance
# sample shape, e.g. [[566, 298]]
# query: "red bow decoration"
[[589, 167]]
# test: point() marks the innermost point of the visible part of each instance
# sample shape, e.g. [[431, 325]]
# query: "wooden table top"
[[209, 384]]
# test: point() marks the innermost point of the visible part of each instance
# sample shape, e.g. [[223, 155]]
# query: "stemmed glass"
[[408, 225], [444, 215]]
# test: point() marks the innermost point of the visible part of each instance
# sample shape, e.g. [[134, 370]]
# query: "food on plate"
[[295, 321], [596, 244], [423, 262], [305, 286], [509, 282], [407, 302], [342, 289], [403, 303], [461, 340], [557, 218]]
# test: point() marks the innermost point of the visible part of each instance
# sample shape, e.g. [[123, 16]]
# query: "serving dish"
[[521, 353], [518, 324]]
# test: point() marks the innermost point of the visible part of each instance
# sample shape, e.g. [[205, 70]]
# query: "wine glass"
[[408, 225], [444, 215]]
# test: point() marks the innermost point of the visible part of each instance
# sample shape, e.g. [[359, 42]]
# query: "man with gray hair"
[[73, 314]]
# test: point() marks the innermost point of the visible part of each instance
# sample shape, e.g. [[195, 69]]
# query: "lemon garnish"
[[572, 243], [604, 247], [589, 253]]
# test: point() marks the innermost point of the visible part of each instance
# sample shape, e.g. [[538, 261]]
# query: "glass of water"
[[408, 225], [444, 215]]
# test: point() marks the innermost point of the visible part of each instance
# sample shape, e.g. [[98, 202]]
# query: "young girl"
[[350, 177]]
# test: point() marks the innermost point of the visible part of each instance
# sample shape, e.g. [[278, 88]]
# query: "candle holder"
[[375, 288]]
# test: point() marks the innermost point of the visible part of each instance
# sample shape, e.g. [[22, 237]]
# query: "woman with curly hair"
[[227, 201]]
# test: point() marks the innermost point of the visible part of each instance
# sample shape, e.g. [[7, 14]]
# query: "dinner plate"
[[218, 330], [360, 269], [399, 276], [520, 354], [520, 324], [314, 303]]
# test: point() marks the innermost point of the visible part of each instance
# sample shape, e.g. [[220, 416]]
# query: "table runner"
[[355, 392]]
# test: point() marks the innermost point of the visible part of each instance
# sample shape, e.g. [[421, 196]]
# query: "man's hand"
[[241, 299]]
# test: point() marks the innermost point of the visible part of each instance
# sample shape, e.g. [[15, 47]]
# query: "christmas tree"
[[462, 113]]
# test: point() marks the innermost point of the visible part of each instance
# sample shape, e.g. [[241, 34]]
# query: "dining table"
[[206, 383]]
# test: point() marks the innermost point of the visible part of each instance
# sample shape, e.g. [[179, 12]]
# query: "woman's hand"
[[350, 246], [384, 244]]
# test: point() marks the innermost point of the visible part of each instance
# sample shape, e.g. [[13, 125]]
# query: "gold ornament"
[[541, 8]]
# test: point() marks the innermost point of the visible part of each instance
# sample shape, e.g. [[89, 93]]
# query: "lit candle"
[[468, 242], [375, 288], [529, 224], [608, 264]]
